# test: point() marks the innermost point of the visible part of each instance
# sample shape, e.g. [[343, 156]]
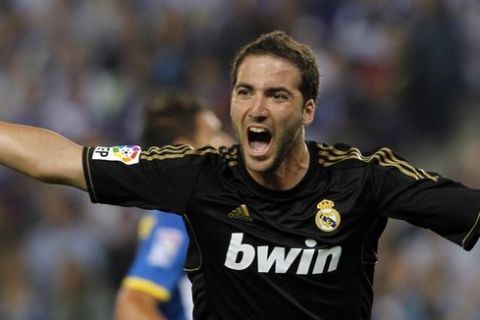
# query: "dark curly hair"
[[278, 43]]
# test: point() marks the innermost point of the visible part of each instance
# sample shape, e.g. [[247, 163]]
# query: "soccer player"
[[156, 287], [285, 228]]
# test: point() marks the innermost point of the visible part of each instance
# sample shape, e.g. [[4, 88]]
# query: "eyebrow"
[[243, 85], [269, 90], [275, 89]]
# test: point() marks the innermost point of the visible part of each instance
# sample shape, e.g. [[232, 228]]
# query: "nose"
[[259, 109]]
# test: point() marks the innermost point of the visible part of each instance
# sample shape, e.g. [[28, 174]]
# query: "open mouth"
[[259, 140]]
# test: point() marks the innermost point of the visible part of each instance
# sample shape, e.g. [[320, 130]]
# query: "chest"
[[244, 227]]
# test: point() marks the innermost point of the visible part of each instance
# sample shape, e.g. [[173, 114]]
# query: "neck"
[[290, 172]]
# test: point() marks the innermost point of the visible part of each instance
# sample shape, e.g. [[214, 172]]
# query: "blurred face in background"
[[208, 132]]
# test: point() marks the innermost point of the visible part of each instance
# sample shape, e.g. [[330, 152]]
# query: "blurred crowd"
[[403, 73]]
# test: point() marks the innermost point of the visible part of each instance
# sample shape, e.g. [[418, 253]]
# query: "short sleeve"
[[158, 178], [158, 264], [426, 199]]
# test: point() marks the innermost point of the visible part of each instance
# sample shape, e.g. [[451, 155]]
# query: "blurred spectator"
[[17, 298], [65, 260], [434, 66]]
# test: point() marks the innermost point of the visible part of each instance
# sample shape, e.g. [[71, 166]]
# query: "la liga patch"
[[127, 154]]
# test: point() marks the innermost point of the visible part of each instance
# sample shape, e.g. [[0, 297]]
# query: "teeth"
[[257, 130]]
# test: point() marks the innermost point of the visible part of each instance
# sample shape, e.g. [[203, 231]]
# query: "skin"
[[208, 131], [134, 304], [266, 96], [41, 154]]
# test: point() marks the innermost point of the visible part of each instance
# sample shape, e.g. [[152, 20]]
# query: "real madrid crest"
[[327, 218]]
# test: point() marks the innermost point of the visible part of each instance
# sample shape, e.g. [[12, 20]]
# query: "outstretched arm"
[[41, 154]]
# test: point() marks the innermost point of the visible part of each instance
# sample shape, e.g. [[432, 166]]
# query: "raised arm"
[[41, 154]]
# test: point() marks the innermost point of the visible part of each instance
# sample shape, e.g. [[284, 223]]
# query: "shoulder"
[[334, 154], [174, 151], [342, 155], [228, 155]]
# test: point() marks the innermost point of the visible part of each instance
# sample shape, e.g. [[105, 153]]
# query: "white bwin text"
[[241, 255]]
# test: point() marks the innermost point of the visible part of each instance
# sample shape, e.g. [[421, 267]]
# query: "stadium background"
[[403, 73]]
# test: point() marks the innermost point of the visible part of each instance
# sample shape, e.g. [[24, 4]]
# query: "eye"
[[279, 96], [242, 92]]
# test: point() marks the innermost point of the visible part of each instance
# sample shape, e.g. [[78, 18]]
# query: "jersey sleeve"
[[426, 199], [157, 178], [158, 264]]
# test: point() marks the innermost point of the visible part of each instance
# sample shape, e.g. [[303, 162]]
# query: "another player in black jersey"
[[285, 228]]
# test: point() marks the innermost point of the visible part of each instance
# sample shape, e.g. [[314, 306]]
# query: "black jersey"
[[305, 253]]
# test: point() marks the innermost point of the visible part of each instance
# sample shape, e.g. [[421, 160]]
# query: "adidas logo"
[[241, 213]]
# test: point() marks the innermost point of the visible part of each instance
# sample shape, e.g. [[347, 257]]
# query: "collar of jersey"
[[283, 194]]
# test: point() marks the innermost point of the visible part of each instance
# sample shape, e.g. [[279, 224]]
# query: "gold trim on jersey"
[[231, 156], [166, 152], [180, 151], [329, 155], [193, 238], [466, 242]]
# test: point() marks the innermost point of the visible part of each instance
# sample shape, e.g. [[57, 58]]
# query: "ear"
[[309, 112]]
